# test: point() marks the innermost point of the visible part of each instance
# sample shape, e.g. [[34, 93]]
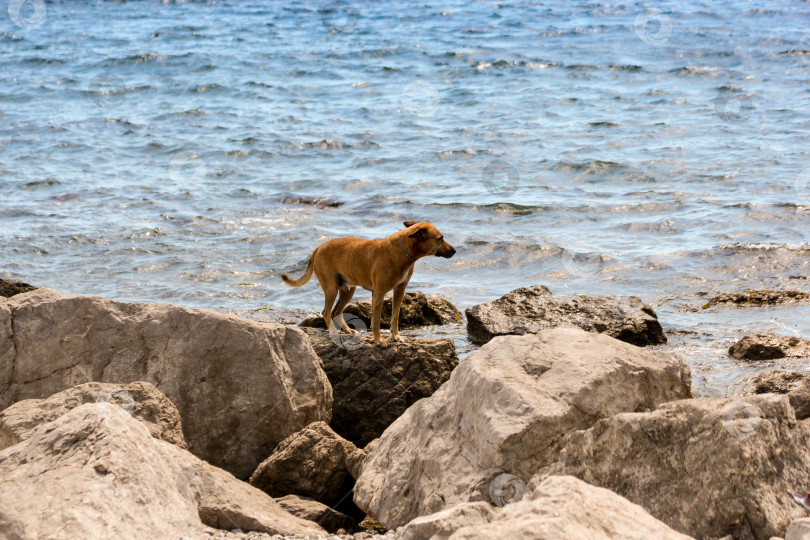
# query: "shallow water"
[[146, 149]]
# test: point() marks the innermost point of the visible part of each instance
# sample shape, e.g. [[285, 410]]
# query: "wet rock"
[[798, 530], [241, 386], [559, 507], [417, 309], [373, 386], [312, 510], [758, 298], [11, 287], [530, 309], [140, 399], [318, 202], [776, 381], [800, 399], [311, 463], [769, 346], [705, 467], [96, 472], [503, 411]]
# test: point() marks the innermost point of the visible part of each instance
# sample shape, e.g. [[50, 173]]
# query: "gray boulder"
[[373, 386], [504, 410], [142, 400], [96, 472], [530, 309], [241, 386]]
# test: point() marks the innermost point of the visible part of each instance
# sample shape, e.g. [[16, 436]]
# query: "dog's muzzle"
[[447, 254]]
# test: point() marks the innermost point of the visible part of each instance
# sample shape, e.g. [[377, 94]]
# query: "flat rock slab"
[[530, 309], [141, 399], [758, 298], [373, 386], [319, 513], [560, 507], [504, 410], [241, 386], [417, 309], [96, 472], [765, 346], [705, 467]]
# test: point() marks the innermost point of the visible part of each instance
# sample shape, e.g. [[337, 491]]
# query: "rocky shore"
[[157, 421]]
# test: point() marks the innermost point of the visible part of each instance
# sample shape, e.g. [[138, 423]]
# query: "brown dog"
[[378, 265]]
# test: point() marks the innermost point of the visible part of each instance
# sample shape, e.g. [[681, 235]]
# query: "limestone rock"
[[758, 298], [442, 524], [776, 381], [240, 386], [562, 507], [319, 513], [503, 411], [769, 346], [311, 463], [374, 386], [530, 309], [96, 472], [140, 399], [705, 467], [417, 309], [12, 287], [799, 530]]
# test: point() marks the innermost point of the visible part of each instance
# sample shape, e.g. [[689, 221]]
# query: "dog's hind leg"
[[377, 297], [337, 313], [396, 302], [329, 295]]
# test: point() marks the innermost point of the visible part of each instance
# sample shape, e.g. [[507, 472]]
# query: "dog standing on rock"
[[379, 265]]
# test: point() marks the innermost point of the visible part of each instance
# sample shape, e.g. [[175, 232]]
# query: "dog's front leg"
[[376, 314], [399, 294]]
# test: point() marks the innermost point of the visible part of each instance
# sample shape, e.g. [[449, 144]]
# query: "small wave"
[[327, 144], [795, 52], [695, 70], [15, 212], [37, 61], [603, 124], [630, 67], [743, 247], [205, 88], [42, 183], [144, 58]]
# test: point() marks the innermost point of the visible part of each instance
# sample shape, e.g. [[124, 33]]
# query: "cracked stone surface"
[[503, 411], [241, 386]]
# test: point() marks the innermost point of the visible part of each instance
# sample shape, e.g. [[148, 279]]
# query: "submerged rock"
[[417, 309], [560, 507], [705, 467], [758, 298], [374, 386], [241, 386], [503, 411], [765, 346], [530, 309], [777, 381], [142, 400], [96, 472]]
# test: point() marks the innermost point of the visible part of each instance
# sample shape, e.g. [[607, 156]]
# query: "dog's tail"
[[300, 282]]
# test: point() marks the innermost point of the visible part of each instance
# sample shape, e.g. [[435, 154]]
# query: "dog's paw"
[[350, 330], [382, 343], [398, 338]]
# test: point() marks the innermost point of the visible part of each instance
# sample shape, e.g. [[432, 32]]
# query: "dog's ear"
[[420, 234], [410, 223]]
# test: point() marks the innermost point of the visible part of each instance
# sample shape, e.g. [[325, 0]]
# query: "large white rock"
[[504, 410], [561, 507], [240, 386], [706, 467], [96, 472]]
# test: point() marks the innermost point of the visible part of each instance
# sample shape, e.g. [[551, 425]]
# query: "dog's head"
[[428, 240]]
